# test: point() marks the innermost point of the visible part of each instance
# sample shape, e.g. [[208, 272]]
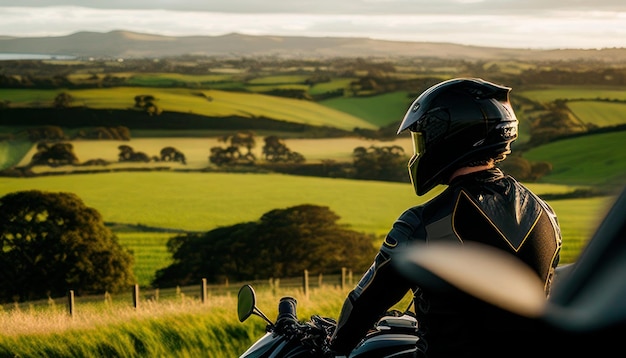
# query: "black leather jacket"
[[485, 206]]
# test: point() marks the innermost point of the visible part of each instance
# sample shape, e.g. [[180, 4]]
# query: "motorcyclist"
[[460, 129]]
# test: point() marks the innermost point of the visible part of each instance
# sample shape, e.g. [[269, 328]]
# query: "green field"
[[204, 201], [180, 328], [380, 110], [211, 103], [598, 160], [166, 201], [157, 199], [601, 114], [197, 151], [150, 252], [12, 152], [554, 92]]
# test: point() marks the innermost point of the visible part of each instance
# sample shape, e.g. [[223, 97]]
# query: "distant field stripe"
[[601, 114], [598, 159], [203, 201], [150, 253], [554, 92], [380, 110], [211, 103]]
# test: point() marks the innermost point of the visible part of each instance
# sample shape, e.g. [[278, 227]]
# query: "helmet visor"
[[418, 143], [418, 149]]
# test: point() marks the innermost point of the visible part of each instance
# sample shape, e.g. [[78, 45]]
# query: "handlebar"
[[287, 311]]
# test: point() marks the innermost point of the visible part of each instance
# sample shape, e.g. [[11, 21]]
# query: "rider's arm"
[[379, 289]]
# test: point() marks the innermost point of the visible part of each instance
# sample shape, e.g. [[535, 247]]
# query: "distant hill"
[[124, 44]]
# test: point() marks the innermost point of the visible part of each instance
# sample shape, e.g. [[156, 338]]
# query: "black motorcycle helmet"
[[455, 123]]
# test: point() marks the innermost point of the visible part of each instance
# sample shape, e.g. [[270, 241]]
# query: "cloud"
[[564, 28], [340, 7]]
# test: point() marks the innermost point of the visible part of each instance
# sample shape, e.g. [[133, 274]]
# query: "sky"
[[540, 24]]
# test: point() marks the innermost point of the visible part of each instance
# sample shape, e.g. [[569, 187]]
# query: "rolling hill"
[[125, 44]]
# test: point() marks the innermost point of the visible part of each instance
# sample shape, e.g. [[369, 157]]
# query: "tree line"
[[45, 74], [386, 163], [52, 243]]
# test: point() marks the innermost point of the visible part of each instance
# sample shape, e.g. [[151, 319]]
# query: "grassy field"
[[183, 328], [150, 253], [208, 199], [380, 110], [601, 114], [597, 160], [212, 103], [198, 150], [204, 201], [554, 92]]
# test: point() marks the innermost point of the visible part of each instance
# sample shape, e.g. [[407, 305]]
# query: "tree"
[[380, 163], [128, 154], [171, 154], [63, 100], [244, 139], [47, 133], [522, 169], [232, 155], [283, 243], [54, 155], [275, 151], [516, 166], [147, 103], [51, 243]]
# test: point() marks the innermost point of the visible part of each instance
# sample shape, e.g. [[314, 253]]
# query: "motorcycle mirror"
[[486, 273], [246, 302]]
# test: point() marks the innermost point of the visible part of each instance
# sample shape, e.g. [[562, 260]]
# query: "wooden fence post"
[[107, 298], [305, 283], [320, 280], [203, 290], [70, 302], [343, 278], [136, 296]]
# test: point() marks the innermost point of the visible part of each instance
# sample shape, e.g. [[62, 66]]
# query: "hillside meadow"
[[550, 93], [596, 160], [599, 164], [198, 150], [210, 103], [175, 328], [172, 199], [600, 106], [204, 201]]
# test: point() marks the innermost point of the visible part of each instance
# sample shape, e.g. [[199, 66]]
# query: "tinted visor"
[[418, 151], [418, 143]]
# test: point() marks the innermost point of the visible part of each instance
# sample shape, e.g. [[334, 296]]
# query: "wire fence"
[[201, 292]]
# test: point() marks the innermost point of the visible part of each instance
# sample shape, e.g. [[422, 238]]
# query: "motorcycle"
[[585, 313], [394, 335]]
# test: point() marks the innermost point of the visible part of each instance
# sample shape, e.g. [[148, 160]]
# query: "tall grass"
[[158, 329]]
